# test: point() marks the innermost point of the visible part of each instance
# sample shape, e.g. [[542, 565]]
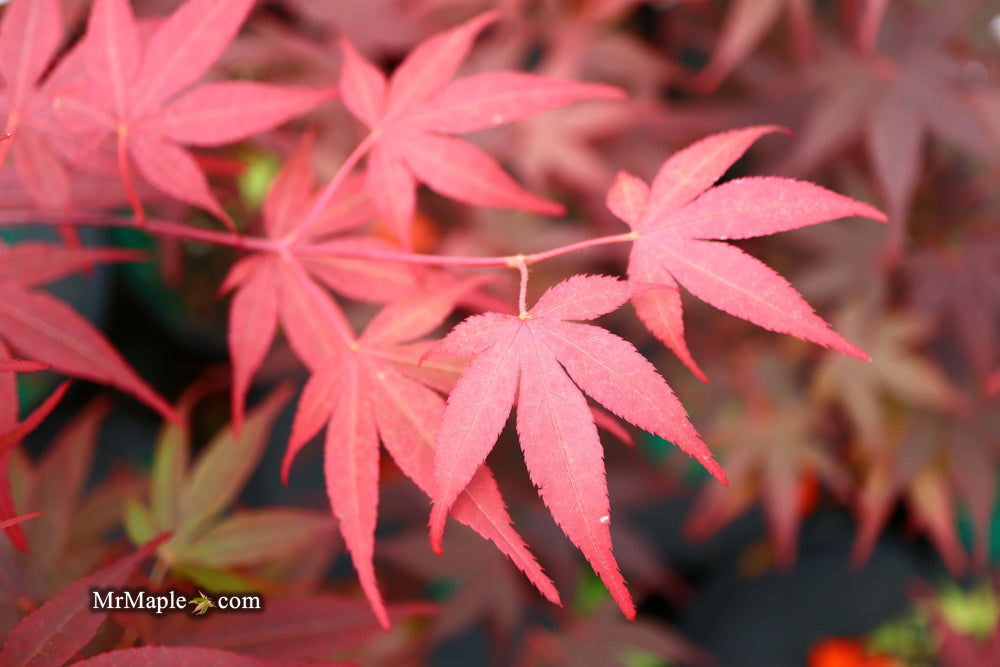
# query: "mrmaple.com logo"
[[159, 603]]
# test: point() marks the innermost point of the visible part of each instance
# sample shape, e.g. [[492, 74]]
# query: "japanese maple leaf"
[[533, 356], [375, 393], [895, 101], [70, 539], [773, 458], [485, 588], [412, 113], [959, 286], [896, 371], [47, 330], [272, 289], [30, 35], [934, 464], [746, 23], [602, 638], [132, 93], [679, 221]]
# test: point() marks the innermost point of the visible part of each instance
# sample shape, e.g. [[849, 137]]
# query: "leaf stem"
[[331, 188], [18, 218], [871, 21], [126, 174], [522, 295]]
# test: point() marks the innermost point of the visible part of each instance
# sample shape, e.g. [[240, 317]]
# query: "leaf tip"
[[438, 517]]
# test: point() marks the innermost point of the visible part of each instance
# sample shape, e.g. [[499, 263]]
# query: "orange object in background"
[[848, 653]]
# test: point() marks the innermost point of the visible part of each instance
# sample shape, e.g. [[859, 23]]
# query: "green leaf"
[[215, 579], [138, 522], [223, 469], [257, 537]]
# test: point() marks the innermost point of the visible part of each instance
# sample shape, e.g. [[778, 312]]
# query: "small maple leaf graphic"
[[202, 603]]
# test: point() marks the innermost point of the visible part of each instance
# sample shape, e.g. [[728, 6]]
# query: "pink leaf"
[[459, 170], [614, 374], [221, 113], [18, 366], [31, 263], [392, 188], [433, 63], [185, 46], [408, 415], [351, 470], [313, 411], [112, 51], [477, 410], [290, 190], [253, 320], [171, 169], [748, 289], [660, 308], [628, 197], [310, 318], [582, 298], [495, 98], [46, 329], [748, 207], [362, 85], [691, 171], [564, 457], [407, 320], [30, 35]]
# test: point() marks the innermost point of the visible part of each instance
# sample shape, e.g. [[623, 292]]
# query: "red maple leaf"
[[411, 114], [679, 221], [47, 330], [30, 34], [131, 93], [285, 288], [534, 355], [377, 393]]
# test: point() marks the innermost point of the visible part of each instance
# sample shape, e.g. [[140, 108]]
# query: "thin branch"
[[331, 188]]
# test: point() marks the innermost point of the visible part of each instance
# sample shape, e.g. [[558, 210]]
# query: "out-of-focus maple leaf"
[[189, 500], [602, 638], [289, 628], [896, 371], [934, 464], [71, 538], [991, 385], [679, 221], [144, 656], [745, 25], [484, 586], [965, 624], [960, 288], [11, 432], [377, 393], [526, 355], [376, 27], [47, 330], [895, 101], [771, 452], [66, 623], [131, 93], [411, 114], [30, 34]]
